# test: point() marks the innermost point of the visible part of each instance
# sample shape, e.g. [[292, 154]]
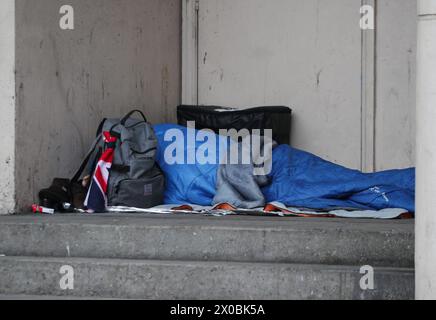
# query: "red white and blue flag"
[[96, 200]]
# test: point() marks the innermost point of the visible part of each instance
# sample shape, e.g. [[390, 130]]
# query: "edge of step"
[[154, 279], [194, 237]]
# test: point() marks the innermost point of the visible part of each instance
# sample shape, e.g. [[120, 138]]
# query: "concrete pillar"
[[426, 152], [7, 106]]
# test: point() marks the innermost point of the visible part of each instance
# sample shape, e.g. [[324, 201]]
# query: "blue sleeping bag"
[[298, 179]]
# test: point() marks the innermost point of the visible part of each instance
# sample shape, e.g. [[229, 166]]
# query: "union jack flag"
[[96, 199]]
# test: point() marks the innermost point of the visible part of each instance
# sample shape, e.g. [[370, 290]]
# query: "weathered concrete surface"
[[396, 84], [121, 54], [7, 105], [189, 237], [19, 297], [312, 56], [301, 54], [198, 280], [426, 152]]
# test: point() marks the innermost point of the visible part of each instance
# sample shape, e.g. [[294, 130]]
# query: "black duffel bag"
[[215, 118]]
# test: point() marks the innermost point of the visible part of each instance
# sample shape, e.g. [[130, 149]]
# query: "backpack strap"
[[100, 127], [86, 160], [82, 167]]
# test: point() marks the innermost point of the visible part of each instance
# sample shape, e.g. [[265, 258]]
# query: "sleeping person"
[[196, 174]]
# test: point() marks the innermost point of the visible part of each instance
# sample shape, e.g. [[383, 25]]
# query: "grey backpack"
[[135, 180]]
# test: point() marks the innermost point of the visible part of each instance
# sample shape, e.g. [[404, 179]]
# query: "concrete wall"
[[127, 52], [312, 56], [122, 53], [396, 84], [305, 54], [7, 105]]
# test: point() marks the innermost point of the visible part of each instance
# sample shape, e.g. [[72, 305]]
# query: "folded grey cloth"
[[237, 184]]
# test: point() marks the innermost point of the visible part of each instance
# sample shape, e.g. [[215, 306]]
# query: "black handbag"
[[63, 195]]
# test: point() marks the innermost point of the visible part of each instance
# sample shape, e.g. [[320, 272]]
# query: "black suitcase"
[[215, 118]]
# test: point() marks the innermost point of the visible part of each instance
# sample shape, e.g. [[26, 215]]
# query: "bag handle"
[[124, 120]]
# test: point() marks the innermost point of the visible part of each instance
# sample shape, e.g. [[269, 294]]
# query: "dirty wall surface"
[[121, 53]]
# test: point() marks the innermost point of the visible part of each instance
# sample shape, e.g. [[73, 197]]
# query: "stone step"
[[153, 279], [201, 238], [20, 297]]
